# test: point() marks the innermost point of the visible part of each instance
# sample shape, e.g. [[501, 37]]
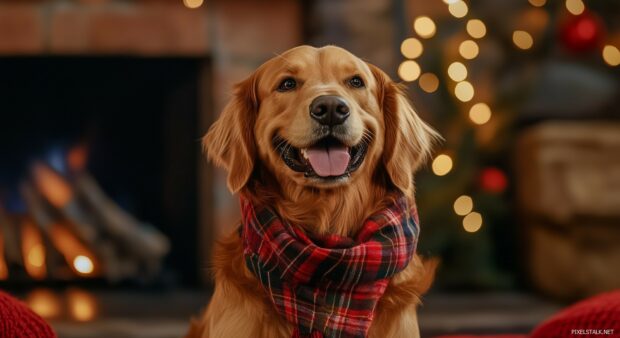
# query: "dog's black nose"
[[329, 110]]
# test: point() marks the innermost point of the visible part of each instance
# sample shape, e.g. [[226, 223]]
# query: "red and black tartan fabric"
[[328, 287]]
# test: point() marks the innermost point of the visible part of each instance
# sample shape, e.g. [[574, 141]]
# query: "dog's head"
[[319, 118]]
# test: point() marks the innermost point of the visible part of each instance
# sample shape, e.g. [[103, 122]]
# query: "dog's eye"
[[356, 82], [287, 84]]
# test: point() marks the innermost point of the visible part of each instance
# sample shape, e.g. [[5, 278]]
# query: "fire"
[[33, 250], [82, 305], [77, 255], [52, 185], [4, 270], [77, 157]]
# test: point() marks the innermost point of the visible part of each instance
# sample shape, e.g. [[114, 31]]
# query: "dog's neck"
[[340, 211]]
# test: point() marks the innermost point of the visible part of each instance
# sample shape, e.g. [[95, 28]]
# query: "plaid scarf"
[[328, 287]]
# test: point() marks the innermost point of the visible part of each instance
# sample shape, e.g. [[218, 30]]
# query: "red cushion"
[[492, 336], [601, 312], [18, 321]]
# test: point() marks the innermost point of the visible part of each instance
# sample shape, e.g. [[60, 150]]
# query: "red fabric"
[[601, 312], [18, 321], [329, 286], [492, 336]]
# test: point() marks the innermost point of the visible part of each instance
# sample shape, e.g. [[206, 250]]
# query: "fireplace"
[[116, 135]]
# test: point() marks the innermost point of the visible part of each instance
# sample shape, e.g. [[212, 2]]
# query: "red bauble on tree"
[[582, 33], [493, 180]]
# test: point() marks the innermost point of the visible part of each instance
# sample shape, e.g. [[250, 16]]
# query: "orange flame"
[[77, 158], [33, 250], [4, 270], [53, 186], [81, 260]]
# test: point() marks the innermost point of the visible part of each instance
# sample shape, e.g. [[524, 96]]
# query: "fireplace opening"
[[108, 145]]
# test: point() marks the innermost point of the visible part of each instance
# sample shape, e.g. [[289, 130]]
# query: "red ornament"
[[582, 33], [493, 180]]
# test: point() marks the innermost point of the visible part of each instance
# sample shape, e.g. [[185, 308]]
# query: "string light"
[[458, 9], [463, 205], [442, 165], [472, 222], [411, 48], [464, 91], [480, 113], [193, 3], [457, 71], [409, 70], [538, 3], [575, 7], [522, 39], [476, 28], [429, 82], [424, 27], [468, 49], [611, 55]]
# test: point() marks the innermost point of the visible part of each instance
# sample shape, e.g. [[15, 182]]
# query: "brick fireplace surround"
[[223, 33]]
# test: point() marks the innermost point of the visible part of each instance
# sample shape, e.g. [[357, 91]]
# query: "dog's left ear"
[[229, 143], [408, 140]]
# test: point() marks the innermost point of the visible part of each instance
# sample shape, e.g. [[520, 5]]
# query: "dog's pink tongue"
[[330, 161]]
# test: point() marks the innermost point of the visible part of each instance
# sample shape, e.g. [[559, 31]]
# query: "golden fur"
[[241, 142]]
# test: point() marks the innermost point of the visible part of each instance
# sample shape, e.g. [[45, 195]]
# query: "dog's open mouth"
[[327, 159]]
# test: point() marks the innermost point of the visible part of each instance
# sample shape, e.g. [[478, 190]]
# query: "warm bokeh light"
[[458, 9], [409, 70], [538, 3], [44, 302], [463, 205], [33, 251], [611, 55], [464, 91], [476, 28], [424, 27], [83, 265], [193, 3], [82, 305], [77, 255], [450, 1], [575, 7], [411, 48], [429, 82], [468, 49], [472, 222], [442, 165], [4, 270], [457, 71], [55, 189], [522, 39], [480, 113], [77, 157]]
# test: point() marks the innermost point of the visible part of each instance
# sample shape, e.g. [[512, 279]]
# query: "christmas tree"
[[485, 70]]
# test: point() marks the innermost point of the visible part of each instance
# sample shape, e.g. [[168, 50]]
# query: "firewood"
[[11, 236], [140, 239]]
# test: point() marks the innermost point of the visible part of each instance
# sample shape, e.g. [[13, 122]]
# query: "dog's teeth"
[[303, 153]]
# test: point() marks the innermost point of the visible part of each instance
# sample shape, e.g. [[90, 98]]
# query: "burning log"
[[12, 252], [81, 259], [4, 269], [33, 250]]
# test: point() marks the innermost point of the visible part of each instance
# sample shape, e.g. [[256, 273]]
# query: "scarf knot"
[[328, 287]]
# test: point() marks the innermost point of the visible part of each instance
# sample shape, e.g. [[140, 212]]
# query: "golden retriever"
[[264, 137]]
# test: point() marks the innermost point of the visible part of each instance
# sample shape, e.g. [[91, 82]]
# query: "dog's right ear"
[[229, 143]]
